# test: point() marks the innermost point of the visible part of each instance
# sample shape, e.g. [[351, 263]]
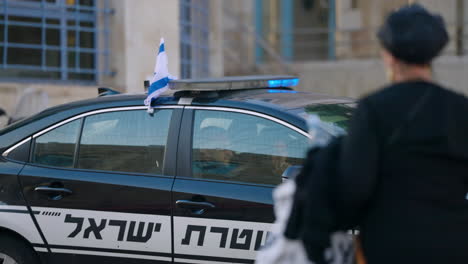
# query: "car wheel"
[[16, 251]]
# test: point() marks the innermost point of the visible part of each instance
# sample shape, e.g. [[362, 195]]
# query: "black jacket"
[[409, 197], [313, 216]]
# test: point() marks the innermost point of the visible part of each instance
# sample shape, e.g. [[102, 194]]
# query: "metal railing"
[[244, 62], [330, 43], [313, 43]]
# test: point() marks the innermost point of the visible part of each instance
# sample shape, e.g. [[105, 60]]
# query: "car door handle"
[[52, 190], [193, 205], [53, 193]]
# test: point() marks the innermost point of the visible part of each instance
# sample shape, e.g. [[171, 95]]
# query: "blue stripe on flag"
[[161, 48], [158, 84]]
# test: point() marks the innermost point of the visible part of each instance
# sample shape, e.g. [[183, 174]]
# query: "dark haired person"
[[403, 167]]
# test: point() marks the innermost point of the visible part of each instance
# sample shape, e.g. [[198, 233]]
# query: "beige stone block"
[[356, 78], [350, 20], [351, 78], [146, 22], [10, 94], [136, 28]]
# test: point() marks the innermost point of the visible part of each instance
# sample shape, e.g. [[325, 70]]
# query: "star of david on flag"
[[160, 82]]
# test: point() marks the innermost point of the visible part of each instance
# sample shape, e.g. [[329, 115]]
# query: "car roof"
[[284, 99], [280, 103]]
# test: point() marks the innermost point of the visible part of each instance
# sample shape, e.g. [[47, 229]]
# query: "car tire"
[[14, 250]]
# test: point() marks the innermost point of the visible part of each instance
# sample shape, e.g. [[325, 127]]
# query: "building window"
[[194, 32], [53, 39]]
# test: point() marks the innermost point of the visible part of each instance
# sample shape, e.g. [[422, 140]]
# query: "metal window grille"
[[194, 33], [64, 40]]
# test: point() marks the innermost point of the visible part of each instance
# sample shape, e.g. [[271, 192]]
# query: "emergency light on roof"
[[234, 83]]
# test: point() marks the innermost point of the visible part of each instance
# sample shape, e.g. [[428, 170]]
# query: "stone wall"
[[355, 78], [136, 28], [57, 94], [357, 25]]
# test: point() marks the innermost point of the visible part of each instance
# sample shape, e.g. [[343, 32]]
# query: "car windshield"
[[335, 117]]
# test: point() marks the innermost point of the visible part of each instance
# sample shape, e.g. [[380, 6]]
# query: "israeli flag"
[[161, 77]]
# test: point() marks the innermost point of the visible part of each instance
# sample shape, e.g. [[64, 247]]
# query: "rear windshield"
[[335, 117]]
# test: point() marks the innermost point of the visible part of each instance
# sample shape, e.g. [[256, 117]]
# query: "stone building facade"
[[68, 48]]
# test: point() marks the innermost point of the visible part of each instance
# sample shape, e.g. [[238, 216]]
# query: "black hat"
[[413, 35]]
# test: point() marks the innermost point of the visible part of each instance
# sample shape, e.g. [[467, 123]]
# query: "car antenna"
[[146, 84]]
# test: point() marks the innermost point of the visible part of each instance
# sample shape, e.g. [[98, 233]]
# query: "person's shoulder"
[[399, 94], [394, 91], [380, 98], [454, 102], [452, 94]]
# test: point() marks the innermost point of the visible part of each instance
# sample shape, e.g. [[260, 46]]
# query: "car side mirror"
[[2, 112], [291, 172]]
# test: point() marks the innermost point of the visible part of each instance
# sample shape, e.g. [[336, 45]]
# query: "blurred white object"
[[319, 136], [281, 250], [3, 121], [278, 249], [30, 102]]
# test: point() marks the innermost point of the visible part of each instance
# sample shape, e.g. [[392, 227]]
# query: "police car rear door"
[[223, 188], [101, 184]]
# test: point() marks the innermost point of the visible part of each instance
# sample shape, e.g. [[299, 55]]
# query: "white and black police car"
[[104, 181]]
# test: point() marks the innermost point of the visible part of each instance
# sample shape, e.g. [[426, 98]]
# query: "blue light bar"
[[234, 83], [283, 83], [281, 91]]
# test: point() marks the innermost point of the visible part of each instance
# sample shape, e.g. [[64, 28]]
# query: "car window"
[[126, 141], [240, 147], [57, 147]]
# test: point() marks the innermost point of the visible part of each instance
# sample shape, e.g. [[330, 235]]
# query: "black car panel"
[[19, 152], [88, 211], [15, 214], [223, 220]]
